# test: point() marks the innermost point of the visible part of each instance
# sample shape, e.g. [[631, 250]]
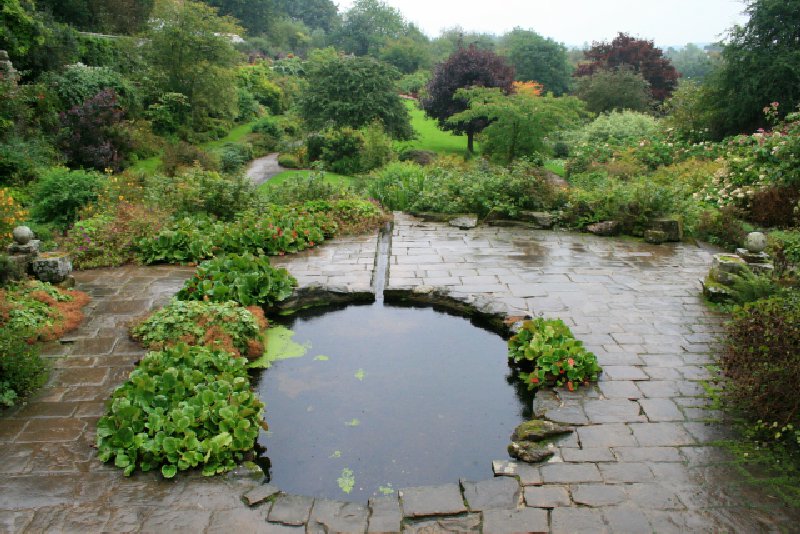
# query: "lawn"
[[430, 137], [151, 165], [289, 176]]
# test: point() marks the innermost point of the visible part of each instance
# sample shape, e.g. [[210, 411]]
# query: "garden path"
[[640, 461], [262, 169]]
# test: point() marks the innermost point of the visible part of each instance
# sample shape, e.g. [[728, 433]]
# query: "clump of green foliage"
[[225, 325], [61, 194], [546, 353], [22, 370], [183, 407], [246, 279]]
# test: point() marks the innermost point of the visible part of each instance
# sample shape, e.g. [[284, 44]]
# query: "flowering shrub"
[[547, 353], [11, 214]]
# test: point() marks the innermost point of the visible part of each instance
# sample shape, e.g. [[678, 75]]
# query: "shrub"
[[170, 113], [547, 353], [760, 359], [304, 189], [234, 156], [61, 194], [248, 107], [93, 134], [11, 214], [398, 185], [246, 279], [290, 161], [40, 311], [199, 191], [181, 408], [220, 325], [78, 83], [20, 160], [774, 206], [750, 287], [182, 155], [618, 127], [378, 149], [340, 150], [784, 247], [109, 239], [22, 370], [722, 227]]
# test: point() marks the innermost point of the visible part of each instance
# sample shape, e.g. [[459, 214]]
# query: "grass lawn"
[[555, 166], [430, 137], [151, 165], [290, 176]]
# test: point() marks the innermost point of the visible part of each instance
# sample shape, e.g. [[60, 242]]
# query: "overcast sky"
[[574, 22]]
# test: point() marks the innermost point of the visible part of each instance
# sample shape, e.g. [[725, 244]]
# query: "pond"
[[384, 398]]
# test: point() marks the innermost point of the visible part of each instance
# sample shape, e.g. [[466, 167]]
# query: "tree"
[[110, 16], [538, 59], [693, 62], [255, 15], [617, 89], [761, 65], [191, 53], [467, 67], [321, 14], [19, 28], [407, 54], [638, 54], [518, 123], [368, 25], [453, 39], [353, 92]]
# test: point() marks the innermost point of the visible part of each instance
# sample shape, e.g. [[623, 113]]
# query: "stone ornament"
[[755, 242], [22, 235]]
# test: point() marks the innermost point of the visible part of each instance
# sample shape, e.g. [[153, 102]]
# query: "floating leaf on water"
[[347, 480], [336, 454], [386, 490], [353, 422], [360, 374], [321, 358], [280, 346]]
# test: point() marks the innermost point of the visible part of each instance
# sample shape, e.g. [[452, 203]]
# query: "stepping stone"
[[464, 222], [525, 520], [432, 501], [468, 523]]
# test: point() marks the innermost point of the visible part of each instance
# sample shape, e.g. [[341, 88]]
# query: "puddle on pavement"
[[386, 398]]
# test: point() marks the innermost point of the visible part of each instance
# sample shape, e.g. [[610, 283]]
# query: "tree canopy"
[[538, 59], [640, 55], [761, 65], [353, 91], [518, 124], [368, 25], [467, 67], [615, 89]]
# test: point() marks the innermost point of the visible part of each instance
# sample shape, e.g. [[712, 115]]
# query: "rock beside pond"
[[539, 430], [605, 228], [529, 442]]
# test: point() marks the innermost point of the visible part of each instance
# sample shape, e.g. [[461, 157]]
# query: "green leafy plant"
[[61, 193], [760, 359], [225, 325], [181, 408], [546, 353], [22, 370], [750, 287], [246, 279]]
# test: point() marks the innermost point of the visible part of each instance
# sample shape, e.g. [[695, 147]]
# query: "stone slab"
[[291, 510], [515, 521], [260, 494], [385, 514], [432, 501], [500, 493], [334, 516]]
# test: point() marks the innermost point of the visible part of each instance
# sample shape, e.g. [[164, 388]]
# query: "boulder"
[[725, 267], [605, 228], [655, 237], [539, 430], [530, 452], [673, 228], [464, 222], [542, 219]]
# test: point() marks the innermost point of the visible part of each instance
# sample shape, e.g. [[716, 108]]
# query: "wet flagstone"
[[639, 461]]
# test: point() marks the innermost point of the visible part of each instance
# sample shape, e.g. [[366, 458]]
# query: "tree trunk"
[[471, 141]]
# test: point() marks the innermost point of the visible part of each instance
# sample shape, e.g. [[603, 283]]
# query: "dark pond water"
[[386, 398]]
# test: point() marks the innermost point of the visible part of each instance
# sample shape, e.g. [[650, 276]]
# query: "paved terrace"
[[640, 461]]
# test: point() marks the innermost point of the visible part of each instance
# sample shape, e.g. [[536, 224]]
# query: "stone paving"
[[640, 460]]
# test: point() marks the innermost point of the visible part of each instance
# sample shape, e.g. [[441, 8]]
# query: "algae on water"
[[280, 346]]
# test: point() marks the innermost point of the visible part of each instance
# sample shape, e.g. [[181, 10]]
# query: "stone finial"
[[755, 242], [22, 235]]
